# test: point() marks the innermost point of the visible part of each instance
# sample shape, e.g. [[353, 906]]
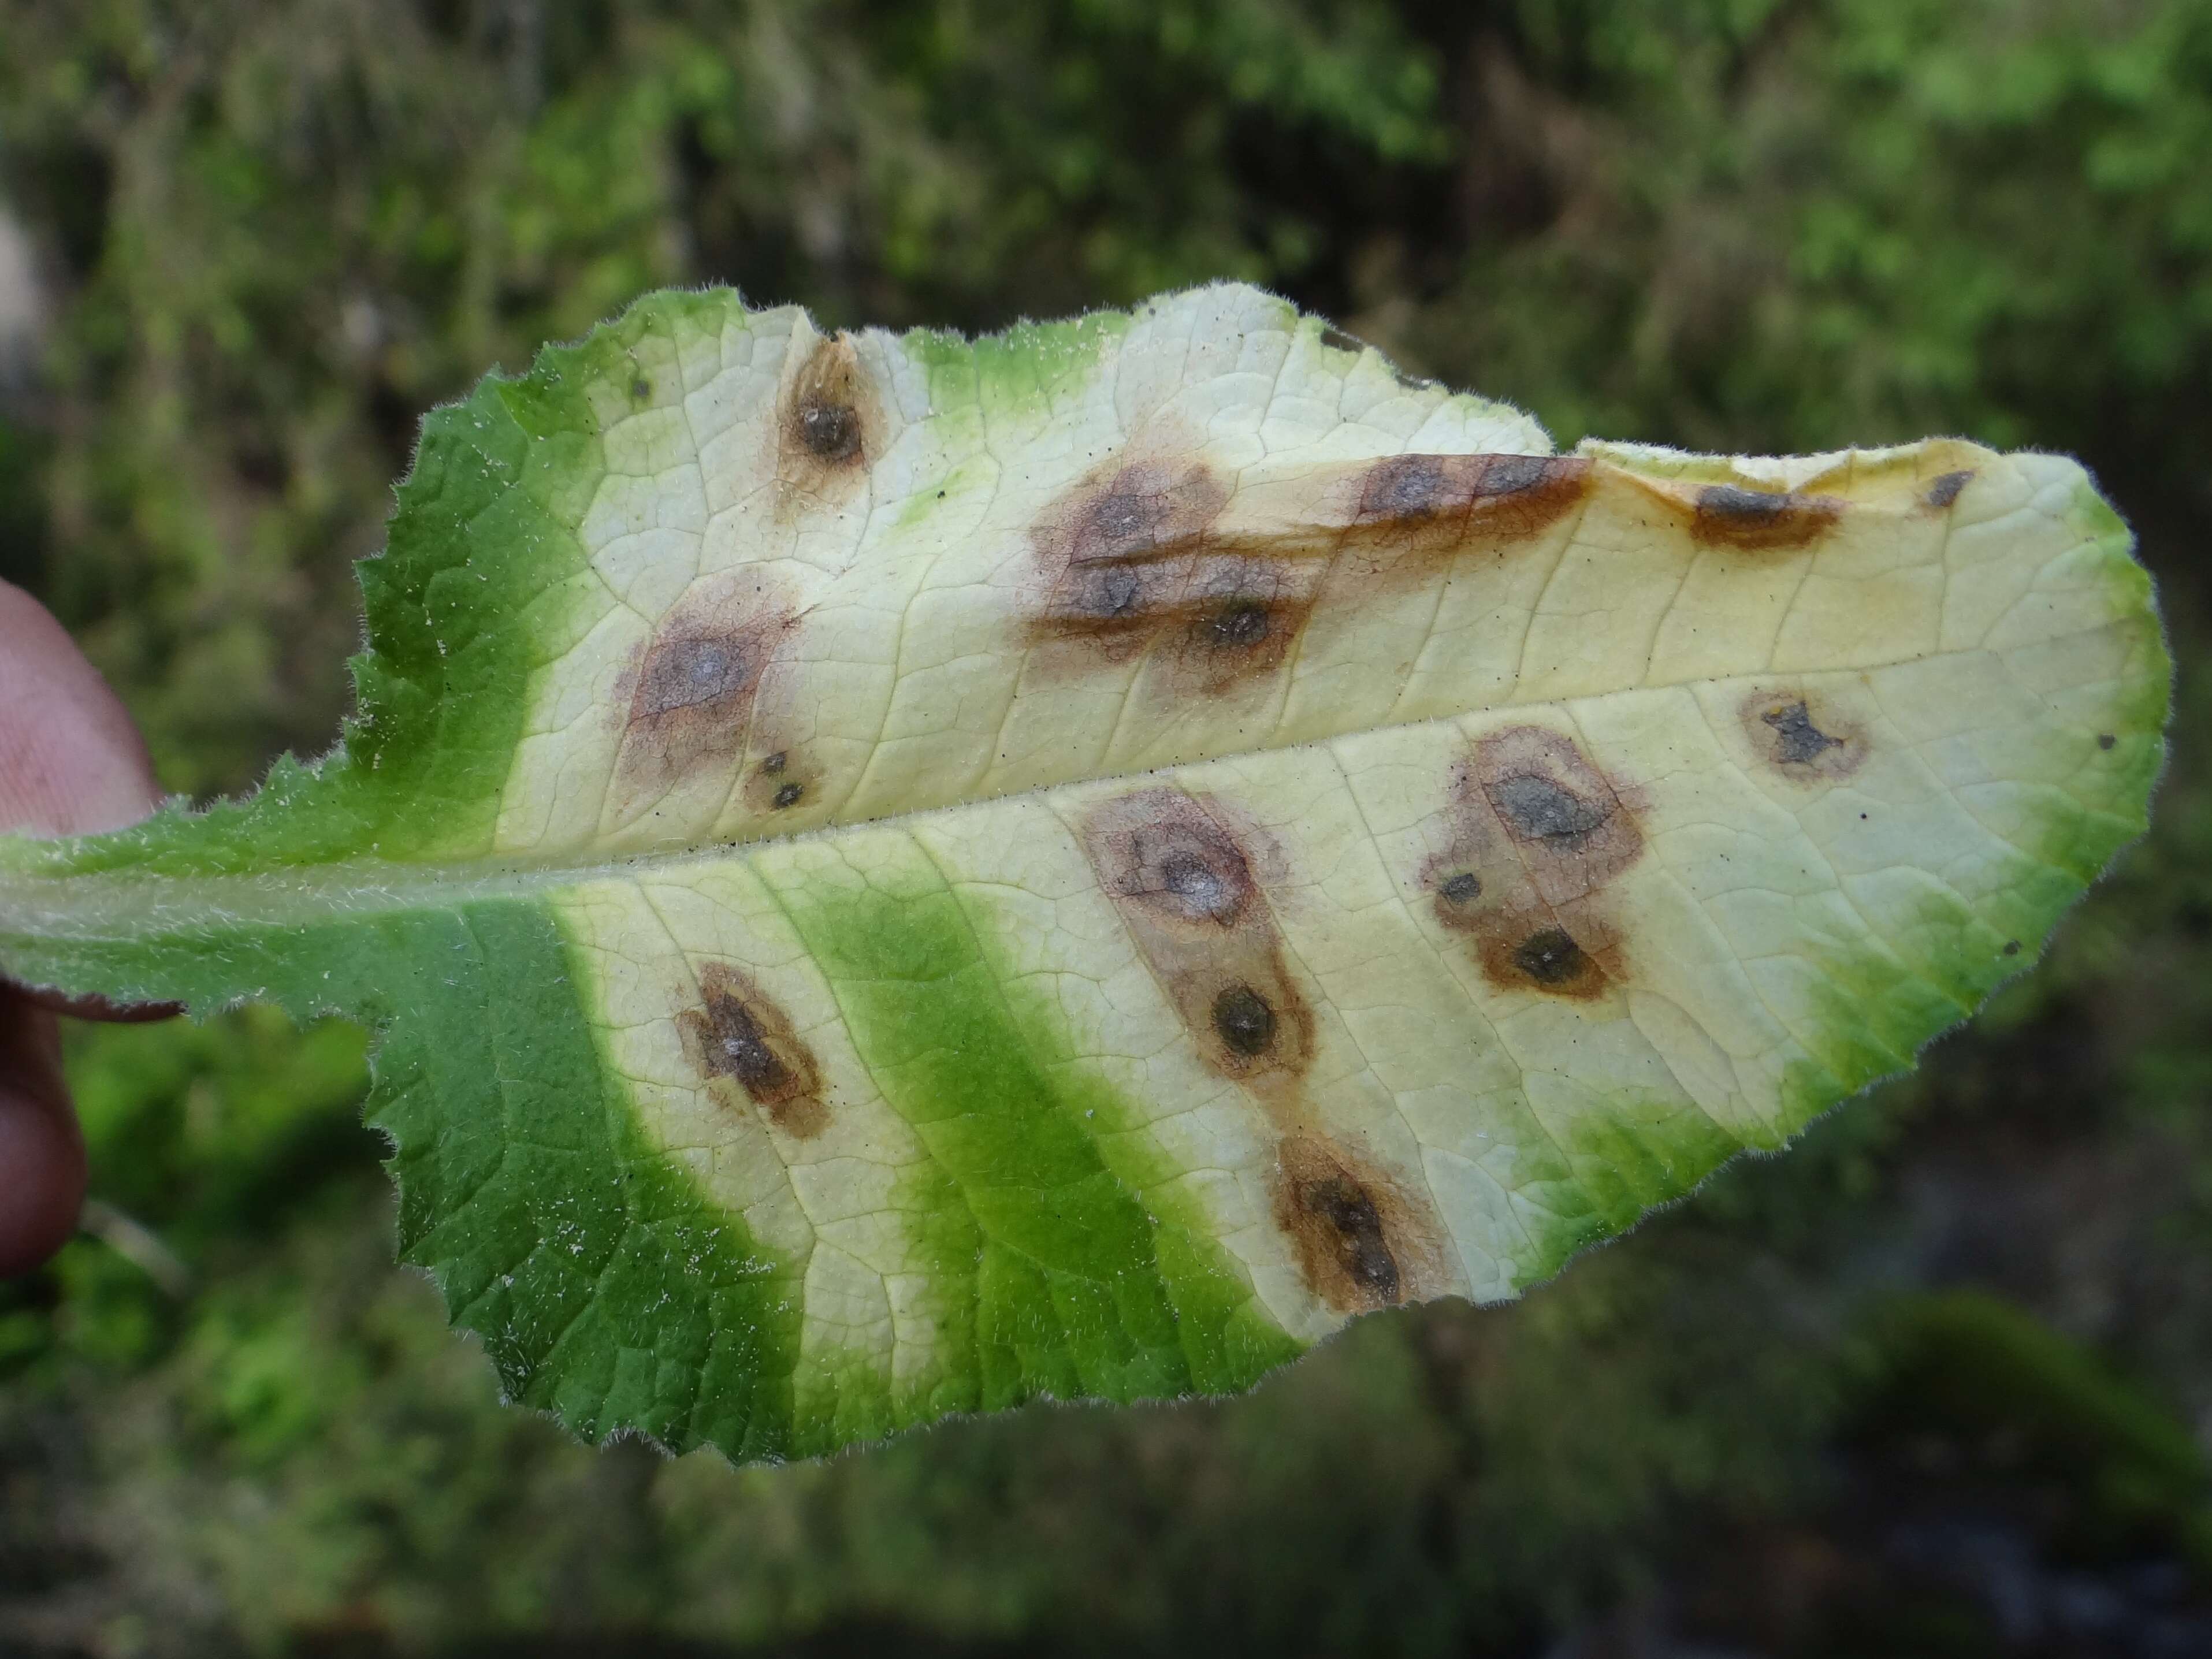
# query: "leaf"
[[894, 876]]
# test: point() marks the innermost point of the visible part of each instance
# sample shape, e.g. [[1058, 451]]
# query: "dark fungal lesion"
[[1551, 957], [1406, 487], [1732, 515], [1238, 625], [1572, 829], [780, 779], [1803, 735], [829, 429], [1142, 509], [1129, 565], [1797, 741], [1537, 807], [1362, 1253], [689, 695], [738, 1035], [1945, 488], [830, 420], [1244, 1021], [1482, 497], [1355, 1236], [688, 670], [1460, 888], [1155, 556], [1536, 833], [1186, 880], [1160, 849]]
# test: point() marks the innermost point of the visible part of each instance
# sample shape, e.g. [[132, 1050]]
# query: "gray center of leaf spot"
[[685, 674], [1118, 591], [1796, 739], [1189, 877], [1508, 475], [1541, 808], [1125, 517], [1733, 502]]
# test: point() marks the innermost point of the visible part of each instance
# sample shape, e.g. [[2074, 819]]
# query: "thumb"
[[71, 763]]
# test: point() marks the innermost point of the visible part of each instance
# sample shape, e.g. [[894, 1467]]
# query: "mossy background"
[[1937, 1382]]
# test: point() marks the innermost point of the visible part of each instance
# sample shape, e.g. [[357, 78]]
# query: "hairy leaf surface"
[[896, 876]]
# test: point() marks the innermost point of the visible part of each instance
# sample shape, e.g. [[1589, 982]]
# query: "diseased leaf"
[[895, 876]]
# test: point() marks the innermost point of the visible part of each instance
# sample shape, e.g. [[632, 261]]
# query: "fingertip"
[[72, 762], [42, 1165]]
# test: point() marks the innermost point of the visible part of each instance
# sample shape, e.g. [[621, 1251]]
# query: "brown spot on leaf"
[[1802, 737], [1142, 510], [828, 429], [1127, 567], [1551, 957], [1235, 625], [684, 671], [1537, 832], [1797, 741], [1244, 1021], [2107, 740], [829, 423], [737, 1036], [1572, 831], [1945, 488], [1527, 951], [1472, 496], [1540, 808], [1358, 1240], [1405, 487], [689, 694], [1162, 850], [779, 781], [1107, 553], [1156, 559], [1186, 880], [1729, 515]]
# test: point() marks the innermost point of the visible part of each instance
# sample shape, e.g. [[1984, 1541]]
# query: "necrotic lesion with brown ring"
[[688, 696], [737, 1037], [1161, 559], [1360, 1242], [1185, 879], [1468, 498], [1729, 515], [829, 423], [1537, 834], [1127, 567], [781, 782], [1803, 735], [1190, 881]]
